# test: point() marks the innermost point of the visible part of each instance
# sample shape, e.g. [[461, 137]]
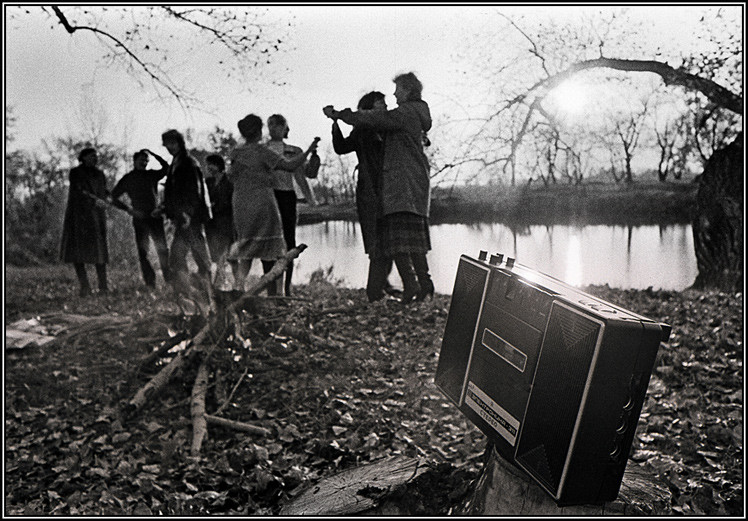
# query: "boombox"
[[553, 376]]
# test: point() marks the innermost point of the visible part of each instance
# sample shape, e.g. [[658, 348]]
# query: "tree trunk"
[[718, 223], [502, 489]]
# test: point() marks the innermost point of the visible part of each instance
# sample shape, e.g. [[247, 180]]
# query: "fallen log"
[[504, 490], [199, 424]]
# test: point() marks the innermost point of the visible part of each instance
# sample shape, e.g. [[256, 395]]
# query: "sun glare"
[[570, 97]]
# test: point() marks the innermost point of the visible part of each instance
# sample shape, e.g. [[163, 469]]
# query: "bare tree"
[[557, 53], [668, 134], [629, 131], [141, 38]]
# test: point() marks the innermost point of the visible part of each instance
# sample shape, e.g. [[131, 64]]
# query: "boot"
[[377, 280], [408, 274], [80, 272], [101, 275], [389, 289], [421, 266]]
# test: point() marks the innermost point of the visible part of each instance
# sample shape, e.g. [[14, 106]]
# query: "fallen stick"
[[165, 375], [161, 351], [279, 268], [124, 207], [199, 424], [155, 384], [240, 426], [231, 394]]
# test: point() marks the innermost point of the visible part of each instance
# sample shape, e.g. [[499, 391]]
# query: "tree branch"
[[670, 76], [118, 44]]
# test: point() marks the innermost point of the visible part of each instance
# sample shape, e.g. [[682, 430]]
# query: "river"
[[621, 256]]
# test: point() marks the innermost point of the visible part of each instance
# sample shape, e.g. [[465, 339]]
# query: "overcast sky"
[[339, 53]]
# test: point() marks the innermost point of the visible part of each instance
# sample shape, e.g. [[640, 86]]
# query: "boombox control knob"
[[509, 262], [482, 255]]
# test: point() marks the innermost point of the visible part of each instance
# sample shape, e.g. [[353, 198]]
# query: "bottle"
[[312, 166]]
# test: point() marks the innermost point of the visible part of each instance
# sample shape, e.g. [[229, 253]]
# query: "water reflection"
[[621, 256]]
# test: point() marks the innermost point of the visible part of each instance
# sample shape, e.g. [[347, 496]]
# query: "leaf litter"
[[364, 394]]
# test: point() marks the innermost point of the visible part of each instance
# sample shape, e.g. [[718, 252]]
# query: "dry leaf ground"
[[364, 393]]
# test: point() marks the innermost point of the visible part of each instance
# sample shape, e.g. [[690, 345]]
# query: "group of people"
[[248, 210], [393, 187]]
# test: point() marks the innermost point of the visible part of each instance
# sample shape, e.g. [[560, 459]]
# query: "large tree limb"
[[671, 76], [504, 490]]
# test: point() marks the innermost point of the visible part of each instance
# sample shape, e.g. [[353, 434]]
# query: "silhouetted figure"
[[141, 187], [220, 229], [368, 144], [84, 228], [185, 205]]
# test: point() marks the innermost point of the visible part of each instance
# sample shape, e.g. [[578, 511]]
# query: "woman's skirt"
[[402, 232], [257, 222]]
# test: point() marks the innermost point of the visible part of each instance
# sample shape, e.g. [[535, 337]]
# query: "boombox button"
[[482, 255], [509, 262], [622, 427], [629, 404], [616, 451]]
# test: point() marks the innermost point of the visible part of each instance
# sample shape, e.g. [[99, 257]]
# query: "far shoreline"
[[638, 204]]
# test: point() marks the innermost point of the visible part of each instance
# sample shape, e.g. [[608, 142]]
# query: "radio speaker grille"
[[561, 373], [460, 328]]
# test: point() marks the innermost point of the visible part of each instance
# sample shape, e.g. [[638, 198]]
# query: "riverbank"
[[594, 203], [363, 390]]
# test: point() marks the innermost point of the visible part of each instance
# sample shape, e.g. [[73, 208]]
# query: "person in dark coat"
[[185, 204], [368, 144], [404, 230], [141, 186], [220, 229], [84, 227]]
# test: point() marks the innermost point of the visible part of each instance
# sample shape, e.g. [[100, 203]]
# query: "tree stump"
[[355, 490], [503, 489]]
